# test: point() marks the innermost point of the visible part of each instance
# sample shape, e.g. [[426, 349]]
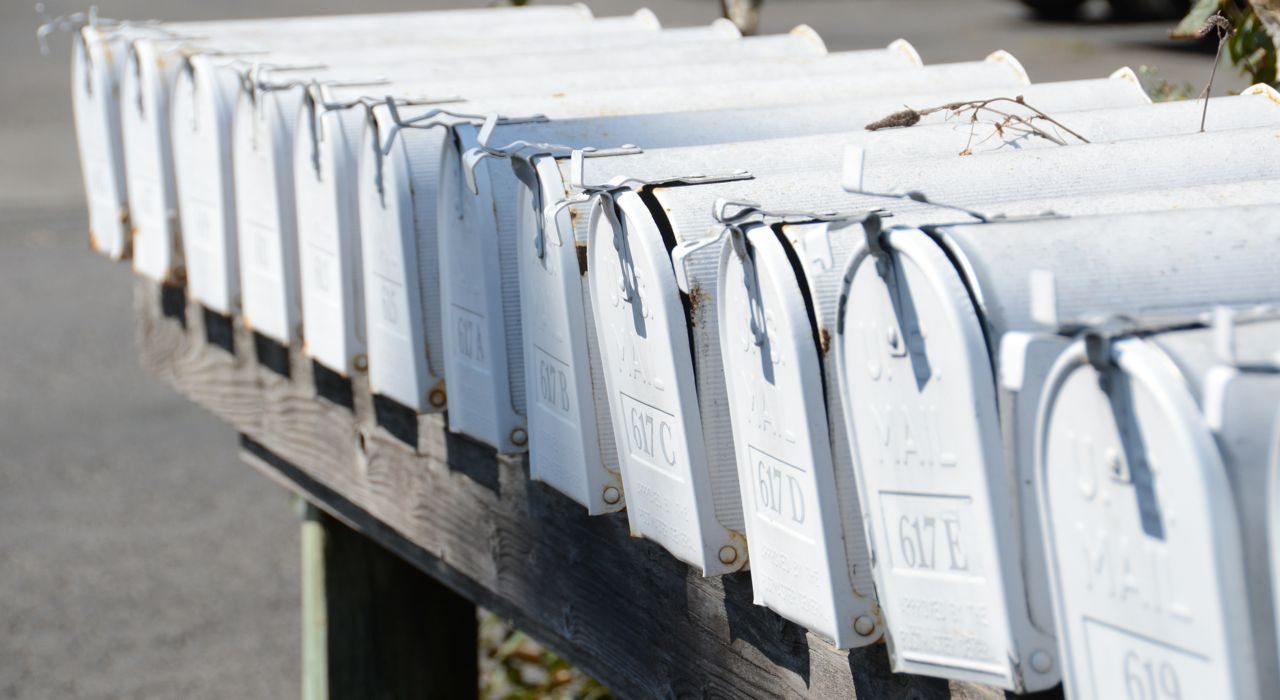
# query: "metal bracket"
[[520, 148], [734, 216], [584, 193]]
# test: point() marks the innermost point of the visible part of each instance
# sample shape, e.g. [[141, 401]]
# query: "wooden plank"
[[622, 609], [376, 627]]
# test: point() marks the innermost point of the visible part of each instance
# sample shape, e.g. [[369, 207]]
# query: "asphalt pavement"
[[138, 557]]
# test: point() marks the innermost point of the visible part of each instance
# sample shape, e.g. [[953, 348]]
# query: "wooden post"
[[373, 626]]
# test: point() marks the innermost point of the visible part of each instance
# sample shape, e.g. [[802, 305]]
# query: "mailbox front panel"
[[790, 498], [328, 240], [203, 174], [397, 229], [1141, 531], [97, 118], [570, 449], [932, 479], [265, 217], [147, 158], [478, 326], [645, 348]]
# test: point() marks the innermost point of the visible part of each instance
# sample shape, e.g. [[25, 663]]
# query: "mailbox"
[[98, 64], [573, 448], [485, 216], [263, 165], [207, 88], [1151, 449], [648, 344], [778, 287], [326, 153], [916, 363]]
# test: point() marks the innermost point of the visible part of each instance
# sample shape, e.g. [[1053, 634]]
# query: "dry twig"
[[1005, 121], [1219, 23]]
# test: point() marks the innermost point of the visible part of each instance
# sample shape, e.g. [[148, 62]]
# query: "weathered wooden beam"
[[622, 609]]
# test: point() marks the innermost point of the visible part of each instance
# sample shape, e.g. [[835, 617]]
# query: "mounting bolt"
[[436, 398], [1041, 662], [728, 554], [864, 626], [360, 362], [612, 495], [519, 436]]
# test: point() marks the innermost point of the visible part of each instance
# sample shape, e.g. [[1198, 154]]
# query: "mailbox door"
[[567, 448], [328, 254], [97, 117], [263, 160], [476, 327], [932, 480], [1141, 532], [389, 252], [645, 348], [206, 201], [799, 566], [149, 180]]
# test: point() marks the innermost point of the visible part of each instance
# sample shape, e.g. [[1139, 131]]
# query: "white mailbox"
[[278, 99], [98, 63], [98, 57], [778, 288], [573, 443], [1152, 451], [206, 91], [929, 420], [685, 213], [489, 319], [263, 164], [397, 204], [327, 151], [953, 177]]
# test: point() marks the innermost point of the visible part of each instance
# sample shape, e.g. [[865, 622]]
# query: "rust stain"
[[93, 241], [824, 339], [695, 298], [581, 249], [179, 276]]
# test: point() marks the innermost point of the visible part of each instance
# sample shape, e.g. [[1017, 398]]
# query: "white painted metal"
[[328, 233], [99, 53], [809, 556], [958, 454], [965, 180], [283, 104], [572, 442], [1150, 450], [494, 405], [153, 64]]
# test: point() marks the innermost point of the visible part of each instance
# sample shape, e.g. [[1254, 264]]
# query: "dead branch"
[[1219, 23], [1002, 121]]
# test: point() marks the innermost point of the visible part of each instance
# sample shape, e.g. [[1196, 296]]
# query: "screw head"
[[360, 362], [728, 554], [1113, 462], [437, 398], [864, 625], [1041, 661], [519, 436], [612, 495], [891, 336]]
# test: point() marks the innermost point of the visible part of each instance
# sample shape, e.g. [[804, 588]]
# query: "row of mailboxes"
[[1002, 394]]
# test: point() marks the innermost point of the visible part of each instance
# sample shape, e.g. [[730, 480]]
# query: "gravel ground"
[[138, 558]]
